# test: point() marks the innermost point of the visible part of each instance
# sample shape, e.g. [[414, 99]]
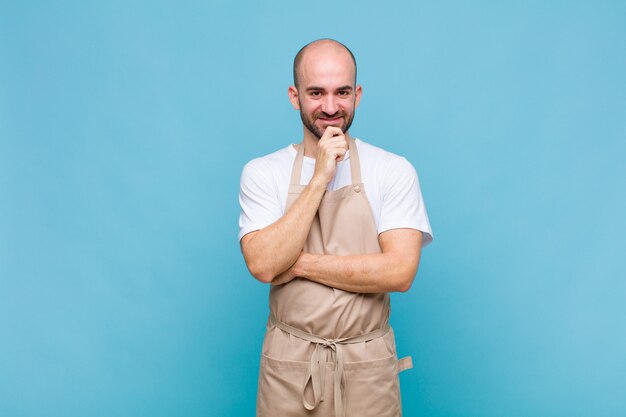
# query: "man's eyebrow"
[[342, 88]]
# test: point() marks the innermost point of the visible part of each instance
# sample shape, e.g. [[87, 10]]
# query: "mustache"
[[322, 115]]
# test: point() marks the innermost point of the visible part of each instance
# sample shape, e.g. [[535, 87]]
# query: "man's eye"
[[344, 93], [316, 93]]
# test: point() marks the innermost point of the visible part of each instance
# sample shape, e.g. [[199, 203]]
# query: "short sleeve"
[[258, 198], [402, 202]]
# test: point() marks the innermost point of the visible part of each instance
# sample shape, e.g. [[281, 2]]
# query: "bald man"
[[333, 224]]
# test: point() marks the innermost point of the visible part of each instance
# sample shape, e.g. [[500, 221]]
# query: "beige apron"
[[329, 352]]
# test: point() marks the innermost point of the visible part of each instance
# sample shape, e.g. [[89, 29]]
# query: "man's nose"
[[330, 106]]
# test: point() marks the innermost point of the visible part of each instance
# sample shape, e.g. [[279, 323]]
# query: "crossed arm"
[[391, 270], [274, 254]]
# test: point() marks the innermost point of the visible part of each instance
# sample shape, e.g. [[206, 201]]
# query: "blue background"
[[124, 126]]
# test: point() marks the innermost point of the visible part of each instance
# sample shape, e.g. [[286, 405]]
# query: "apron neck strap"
[[355, 164], [296, 170]]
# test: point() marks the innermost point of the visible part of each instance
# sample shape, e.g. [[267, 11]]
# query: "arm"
[[391, 270], [273, 249]]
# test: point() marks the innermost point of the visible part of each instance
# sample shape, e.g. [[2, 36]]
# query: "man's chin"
[[321, 127], [318, 132], [318, 129]]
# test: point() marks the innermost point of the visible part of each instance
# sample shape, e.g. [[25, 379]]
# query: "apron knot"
[[316, 372]]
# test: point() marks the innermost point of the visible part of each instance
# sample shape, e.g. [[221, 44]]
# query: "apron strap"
[[355, 165], [316, 372], [404, 364], [296, 170]]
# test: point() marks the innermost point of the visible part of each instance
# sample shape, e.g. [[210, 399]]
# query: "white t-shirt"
[[390, 182]]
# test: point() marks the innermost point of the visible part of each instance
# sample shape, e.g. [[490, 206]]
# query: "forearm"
[[275, 248], [371, 273]]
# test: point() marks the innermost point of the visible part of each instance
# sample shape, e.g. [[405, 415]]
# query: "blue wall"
[[124, 126]]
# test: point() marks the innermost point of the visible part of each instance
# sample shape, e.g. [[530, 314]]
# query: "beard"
[[309, 121]]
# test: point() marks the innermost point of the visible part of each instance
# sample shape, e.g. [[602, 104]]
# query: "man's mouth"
[[330, 120]]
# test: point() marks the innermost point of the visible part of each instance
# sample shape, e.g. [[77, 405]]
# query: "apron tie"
[[316, 372]]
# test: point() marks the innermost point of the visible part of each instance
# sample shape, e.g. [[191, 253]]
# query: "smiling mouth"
[[333, 120]]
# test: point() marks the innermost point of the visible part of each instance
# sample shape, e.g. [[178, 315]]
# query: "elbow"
[[261, 274], [404, 284], [404, 278], [265, 278], [257, 268]]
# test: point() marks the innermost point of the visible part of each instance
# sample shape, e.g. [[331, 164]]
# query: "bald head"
[[316, 50]]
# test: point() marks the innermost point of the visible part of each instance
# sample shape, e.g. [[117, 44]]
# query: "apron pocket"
[[372, 388], [280, 389]]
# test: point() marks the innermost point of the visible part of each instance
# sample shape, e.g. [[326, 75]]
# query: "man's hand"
[[331, 148]]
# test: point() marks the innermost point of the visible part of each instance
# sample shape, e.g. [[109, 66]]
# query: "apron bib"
[[329, 352]]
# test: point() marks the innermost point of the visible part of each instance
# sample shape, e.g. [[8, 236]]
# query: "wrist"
[[299, 268], [318, 183]]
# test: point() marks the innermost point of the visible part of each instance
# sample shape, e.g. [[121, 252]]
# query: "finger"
[[333, 142], [332, 131], [340, 147], [330, 149], [335, 154], [332, 145]]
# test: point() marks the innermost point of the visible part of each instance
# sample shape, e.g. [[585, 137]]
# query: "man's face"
[[326, 94]]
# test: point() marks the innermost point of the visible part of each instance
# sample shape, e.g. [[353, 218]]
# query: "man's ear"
[[358, 91], [293, 97]]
